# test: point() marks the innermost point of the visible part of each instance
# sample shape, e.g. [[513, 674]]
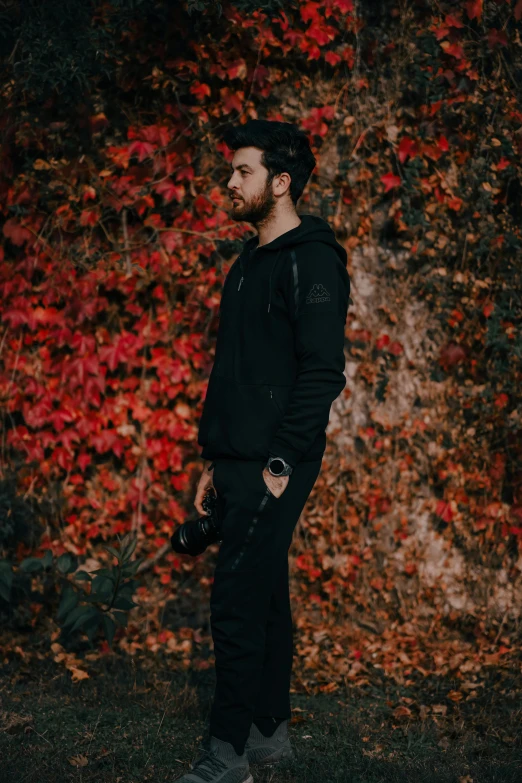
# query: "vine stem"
[[116, 587]]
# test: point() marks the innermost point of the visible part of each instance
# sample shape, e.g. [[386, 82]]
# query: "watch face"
[[277, 466]]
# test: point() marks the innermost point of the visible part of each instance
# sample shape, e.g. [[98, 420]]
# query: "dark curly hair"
[[285, 148]]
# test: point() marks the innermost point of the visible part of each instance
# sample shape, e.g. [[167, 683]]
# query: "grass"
[[133, 722]]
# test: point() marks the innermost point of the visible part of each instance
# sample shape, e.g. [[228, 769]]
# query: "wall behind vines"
[[116, 242]]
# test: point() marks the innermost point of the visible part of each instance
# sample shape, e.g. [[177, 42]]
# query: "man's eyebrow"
[[241, 166]]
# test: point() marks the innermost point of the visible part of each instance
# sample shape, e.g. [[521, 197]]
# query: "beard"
[[258, 209]]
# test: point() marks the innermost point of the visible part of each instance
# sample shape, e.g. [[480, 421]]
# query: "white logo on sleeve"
[[318, 293]]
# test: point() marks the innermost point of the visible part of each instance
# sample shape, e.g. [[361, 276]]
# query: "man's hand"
[[205, 482], [276, 484]]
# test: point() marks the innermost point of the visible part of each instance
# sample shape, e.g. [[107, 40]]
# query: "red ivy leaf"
[[396, 348], [200, 90], [474, 9], [143, 149], [390, 181], [310, 11], [89, 217], [17, 233], [344, 6], [452, 21], [497, 37], [170, 191], [332, 58], [454, 49], [443, 510], [501, 400], [452, 354], [407, 148]]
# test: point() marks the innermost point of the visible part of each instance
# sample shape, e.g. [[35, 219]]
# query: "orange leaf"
[[78, 674], [455, 695], [454, 49]]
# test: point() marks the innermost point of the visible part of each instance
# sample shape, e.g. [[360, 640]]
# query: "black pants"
[[250, 617]]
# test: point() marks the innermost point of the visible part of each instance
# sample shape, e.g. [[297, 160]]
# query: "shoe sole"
[[285, 754]]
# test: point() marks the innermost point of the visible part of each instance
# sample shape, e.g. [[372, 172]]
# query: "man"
[[279, 365]]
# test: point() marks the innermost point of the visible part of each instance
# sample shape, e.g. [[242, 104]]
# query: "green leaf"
[[83, 576], [123, 603], [91, 626], [121, 618], [68, 601], [72, 617], [109, 627], [128, 546], [47, 559], [105, 572], [5, 592], [64, 563], [113, 552], [6, 574], [130, 569], [87, 615], [31, 565], [102, 587]]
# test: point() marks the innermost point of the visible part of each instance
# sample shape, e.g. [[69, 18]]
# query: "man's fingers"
[[200, 496]]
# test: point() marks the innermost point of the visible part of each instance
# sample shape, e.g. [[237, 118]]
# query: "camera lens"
[[194, 536]]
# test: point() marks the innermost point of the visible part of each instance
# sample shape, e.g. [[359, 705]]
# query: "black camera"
[[195, 535]]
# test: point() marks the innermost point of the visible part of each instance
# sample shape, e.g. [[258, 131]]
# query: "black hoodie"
[[279, 361]]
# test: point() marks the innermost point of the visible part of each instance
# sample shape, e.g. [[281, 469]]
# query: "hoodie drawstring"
[[270, 279]]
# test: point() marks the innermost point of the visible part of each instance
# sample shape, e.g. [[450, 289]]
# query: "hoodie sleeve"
[[320, 287]]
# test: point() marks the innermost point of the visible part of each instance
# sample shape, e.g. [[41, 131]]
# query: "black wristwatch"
[[277, 466]]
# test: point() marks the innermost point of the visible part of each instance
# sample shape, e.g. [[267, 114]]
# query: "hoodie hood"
[[311, 229]]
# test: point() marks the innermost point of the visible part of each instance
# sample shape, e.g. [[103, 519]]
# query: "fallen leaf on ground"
[[79, 761]]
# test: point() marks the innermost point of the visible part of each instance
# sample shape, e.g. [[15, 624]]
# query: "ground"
[[136, 721]]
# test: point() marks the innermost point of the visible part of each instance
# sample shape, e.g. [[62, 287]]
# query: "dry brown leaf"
[[78, 761], [402, 712], [12, 723], [77, 674], [455, 695]]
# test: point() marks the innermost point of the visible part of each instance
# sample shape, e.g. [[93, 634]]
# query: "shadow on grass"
[[135, 722]]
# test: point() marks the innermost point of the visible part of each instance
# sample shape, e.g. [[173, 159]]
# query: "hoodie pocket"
[[274, 399], [240, 419]]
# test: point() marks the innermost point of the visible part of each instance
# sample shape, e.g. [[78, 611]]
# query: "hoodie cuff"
[[289, 455]]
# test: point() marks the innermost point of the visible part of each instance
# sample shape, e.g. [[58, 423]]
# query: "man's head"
[[270, 168]]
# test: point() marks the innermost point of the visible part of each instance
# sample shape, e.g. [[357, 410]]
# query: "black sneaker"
[[266, 751], [218, 763]]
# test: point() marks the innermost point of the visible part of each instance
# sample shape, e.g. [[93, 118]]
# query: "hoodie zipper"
[[242, 276], [274, 401], [242, 270]]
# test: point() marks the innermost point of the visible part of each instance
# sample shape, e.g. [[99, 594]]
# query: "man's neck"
[[276, 227]]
